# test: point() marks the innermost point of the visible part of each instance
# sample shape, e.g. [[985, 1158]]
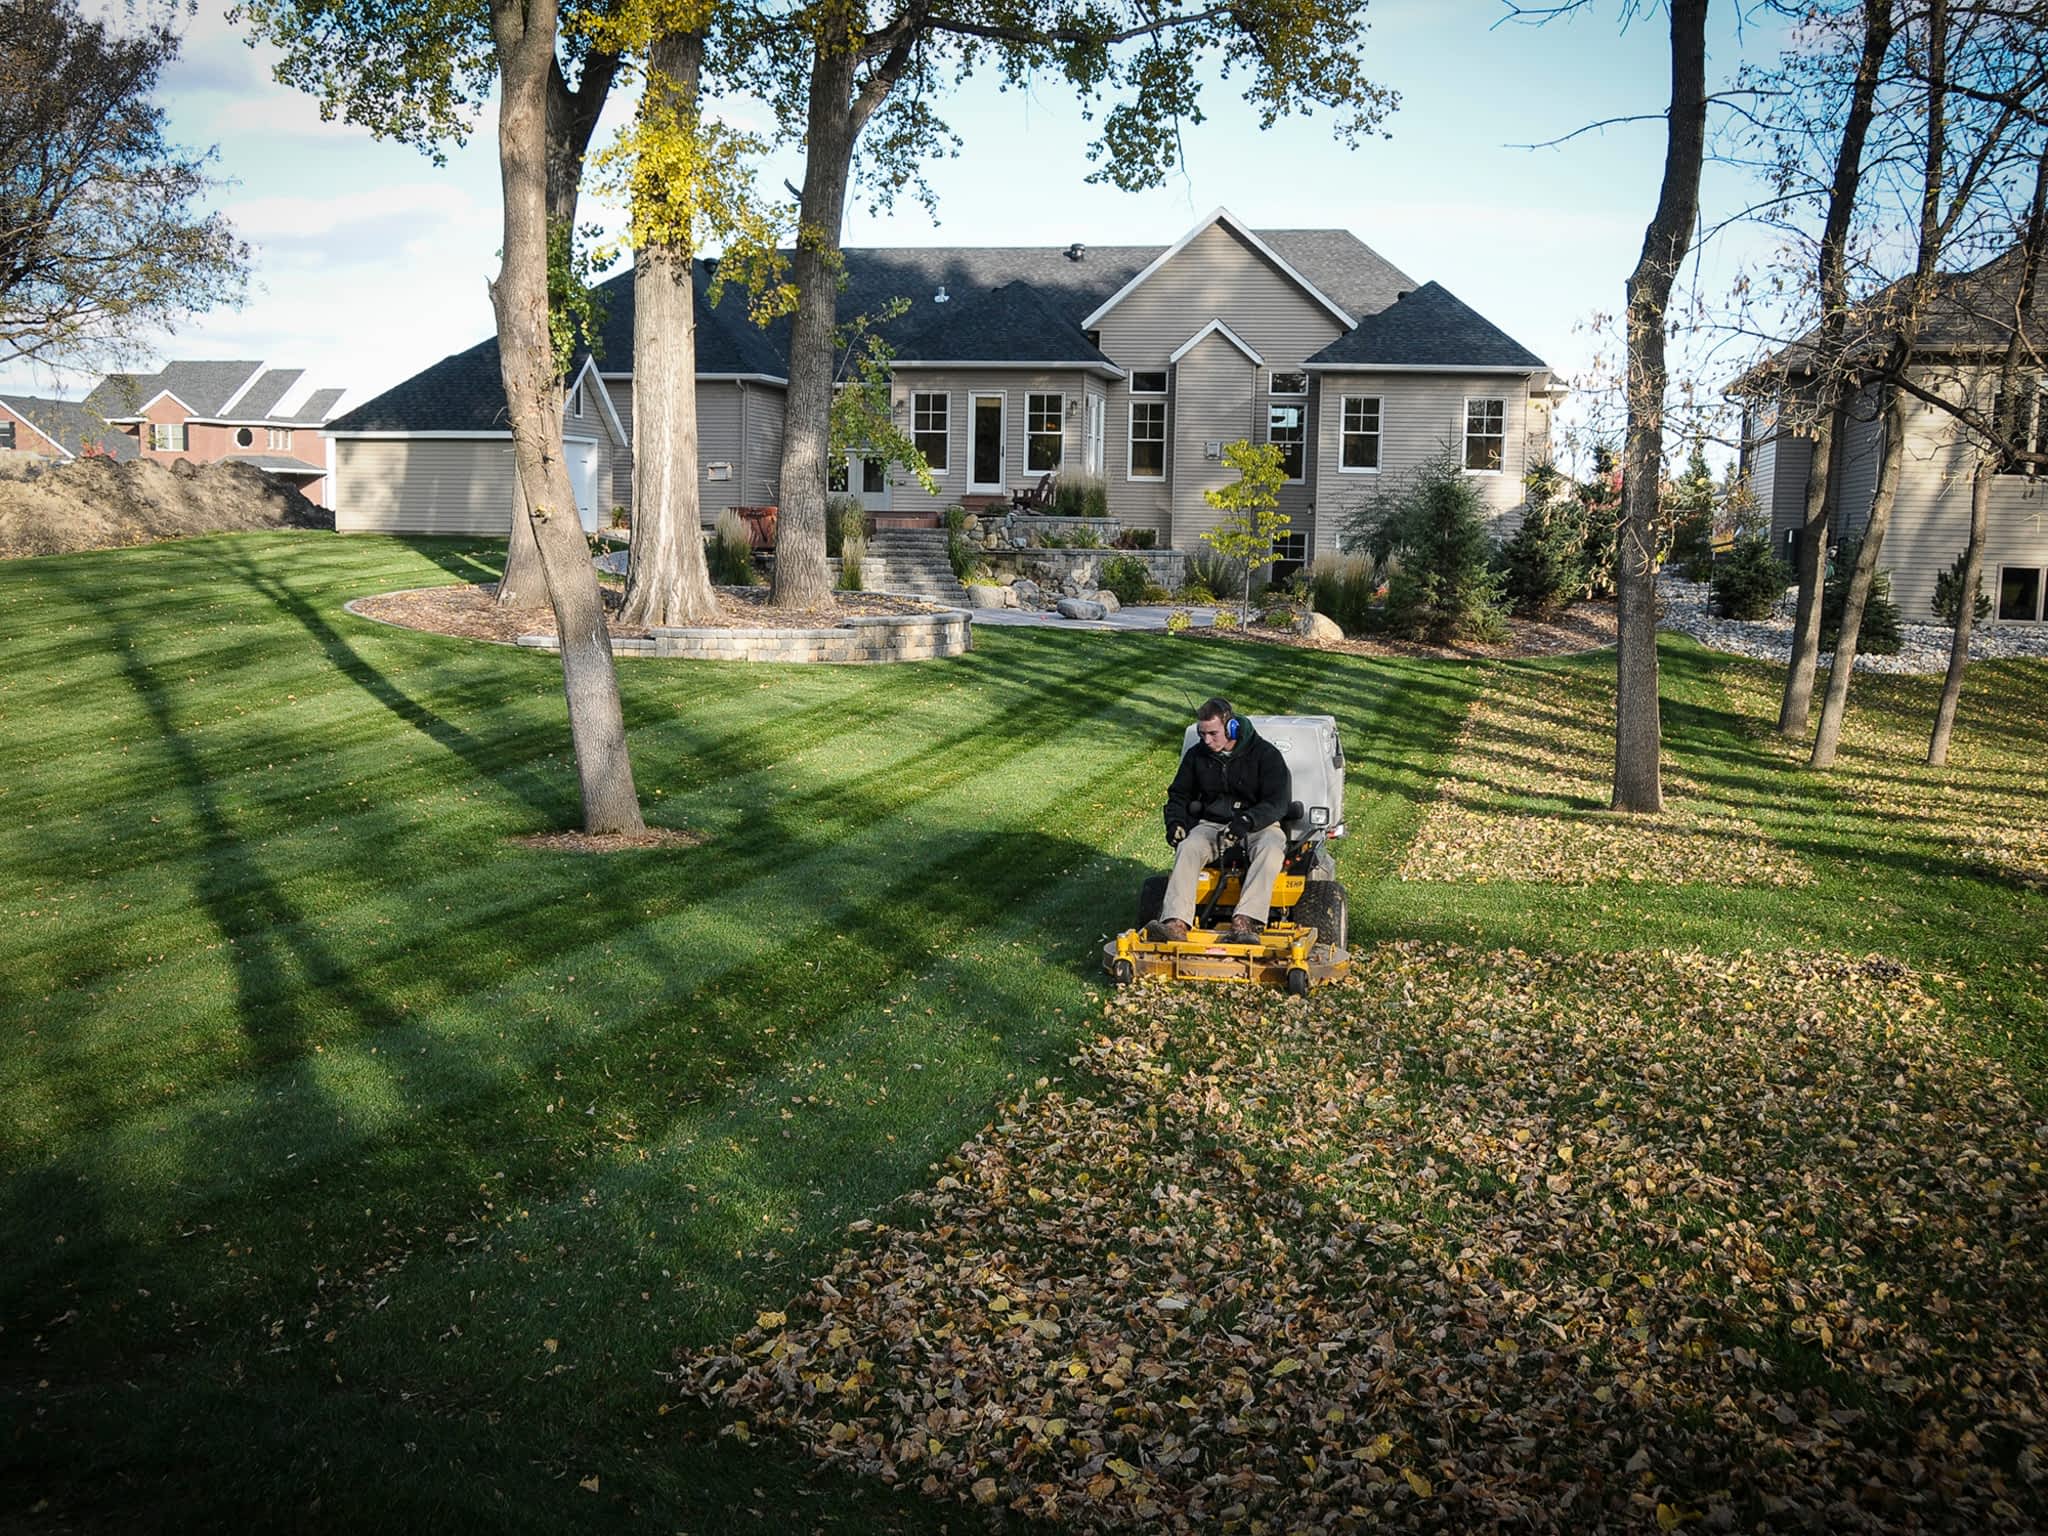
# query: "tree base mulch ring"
[[470, 611], [1584, 627], [610, 842], [1471, 1241]]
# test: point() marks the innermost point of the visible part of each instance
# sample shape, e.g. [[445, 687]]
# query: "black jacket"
[[1252, 781]]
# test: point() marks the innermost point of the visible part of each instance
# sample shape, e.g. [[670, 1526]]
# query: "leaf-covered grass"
[[361, 1167]]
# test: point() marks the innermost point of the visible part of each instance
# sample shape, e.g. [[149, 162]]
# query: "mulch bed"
[[1586, 627], [609, 842], [471, 612]]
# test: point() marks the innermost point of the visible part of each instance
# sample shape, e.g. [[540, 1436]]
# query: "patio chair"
[[1034, 498]]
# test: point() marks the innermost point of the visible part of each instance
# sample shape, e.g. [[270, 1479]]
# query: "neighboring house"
[[1135, 363], [1961, 342], [59, 429], [208, 411]]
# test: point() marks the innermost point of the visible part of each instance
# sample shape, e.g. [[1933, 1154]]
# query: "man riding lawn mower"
[[1253, 895]]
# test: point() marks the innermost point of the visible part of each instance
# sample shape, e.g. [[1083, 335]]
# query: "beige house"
[[1133, 363], [1962, 341]]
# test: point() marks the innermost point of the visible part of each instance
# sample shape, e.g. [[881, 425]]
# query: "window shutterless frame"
[[1145, 447], [1359, 424], [1148, 381], [1486, 435], [988, 424], [2019, 594], [1044, 432], [931, 429]]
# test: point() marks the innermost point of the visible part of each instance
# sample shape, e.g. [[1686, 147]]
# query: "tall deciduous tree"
[[1638, 736], [102, 244], [523, 34], [2022, 346], [417, 71], [1830, 344], [864, 70]]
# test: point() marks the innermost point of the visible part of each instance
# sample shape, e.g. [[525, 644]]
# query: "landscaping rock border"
[[855, 641]]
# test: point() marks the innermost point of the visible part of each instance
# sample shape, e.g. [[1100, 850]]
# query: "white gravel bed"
[[1684, 606]]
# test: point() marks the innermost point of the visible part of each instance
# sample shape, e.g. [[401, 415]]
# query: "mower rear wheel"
[[1325, 907], [1123, 973], [1151, 899]]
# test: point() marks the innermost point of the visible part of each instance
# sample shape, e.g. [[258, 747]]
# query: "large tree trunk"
[[1638, 784], [2018, 347], [1827, 738], [802, 578], [668, 583], [524, 32], [1834, 305], [572, 118]]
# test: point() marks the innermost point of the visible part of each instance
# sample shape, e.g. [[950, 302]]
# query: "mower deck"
[[1285, 955]]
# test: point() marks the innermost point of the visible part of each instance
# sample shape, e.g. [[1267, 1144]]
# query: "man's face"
[[1214, 734]]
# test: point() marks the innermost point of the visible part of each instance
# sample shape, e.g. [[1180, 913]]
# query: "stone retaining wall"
[[875, 638], [1053, 567]]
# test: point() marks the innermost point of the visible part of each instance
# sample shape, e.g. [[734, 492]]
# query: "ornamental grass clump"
[[730, 553], [1432, 533], [853, 550], [1342, 589]]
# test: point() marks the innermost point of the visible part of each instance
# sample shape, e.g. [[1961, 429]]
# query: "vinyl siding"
[[621, 392], [766, 406], [1072, 386], [1216, 277], [424, 486], [1782, 465], [1854, 481], [1420, 414], [1931, 517], [1216, 395]]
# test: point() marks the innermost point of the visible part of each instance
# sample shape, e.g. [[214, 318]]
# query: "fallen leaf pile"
[[1550, 736], [1472, 1240]]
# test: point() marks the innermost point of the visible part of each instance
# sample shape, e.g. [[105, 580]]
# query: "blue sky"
[[371, 261]]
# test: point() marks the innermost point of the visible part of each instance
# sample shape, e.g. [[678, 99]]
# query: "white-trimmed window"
[[1290, 384], [1286, 430], [1486, 436], [1148, 381], [167, 436], [1358, 452], [1148, 440], [6, 434], [280, 438], [2020, 589], [930, 428], [1044, 433]]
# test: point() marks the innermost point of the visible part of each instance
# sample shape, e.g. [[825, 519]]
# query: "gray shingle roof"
[[1014, 324], [1005, 303], [204, 386], [69, 424], [316, 409], [278, 463], [261, 398], [1428, 328]]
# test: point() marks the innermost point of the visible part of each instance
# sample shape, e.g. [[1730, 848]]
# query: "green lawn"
[[361, 1167]]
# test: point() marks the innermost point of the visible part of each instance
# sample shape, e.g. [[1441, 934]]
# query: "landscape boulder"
[[1029, 594], [1108, 599], [984, 596], [1319, 626], [1081, 608]]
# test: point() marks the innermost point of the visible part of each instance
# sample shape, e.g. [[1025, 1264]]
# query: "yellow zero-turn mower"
[[1304, 942]]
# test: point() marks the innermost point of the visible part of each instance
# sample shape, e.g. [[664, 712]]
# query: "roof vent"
[[1076, 251], [942, 297]]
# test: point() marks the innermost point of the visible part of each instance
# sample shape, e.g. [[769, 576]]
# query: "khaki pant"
[[1255, 894]]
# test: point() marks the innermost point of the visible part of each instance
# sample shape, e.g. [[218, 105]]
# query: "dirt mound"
[[56, 509]]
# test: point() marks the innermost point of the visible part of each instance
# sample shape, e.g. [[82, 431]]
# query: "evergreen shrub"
[[1947, 601], [1878, 634], [1751, 580]]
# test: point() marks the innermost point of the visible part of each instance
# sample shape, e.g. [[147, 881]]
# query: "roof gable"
[[1428, 328], [1231, 222], [1216, 328], [73, 427]]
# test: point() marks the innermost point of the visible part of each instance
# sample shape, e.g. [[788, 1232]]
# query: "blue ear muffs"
[[1230, 729]]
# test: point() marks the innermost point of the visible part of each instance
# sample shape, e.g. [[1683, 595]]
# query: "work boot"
[[1166, 930], [1245, 930]]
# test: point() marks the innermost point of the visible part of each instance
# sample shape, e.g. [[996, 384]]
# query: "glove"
[[1176, 834], [1241, 827]]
